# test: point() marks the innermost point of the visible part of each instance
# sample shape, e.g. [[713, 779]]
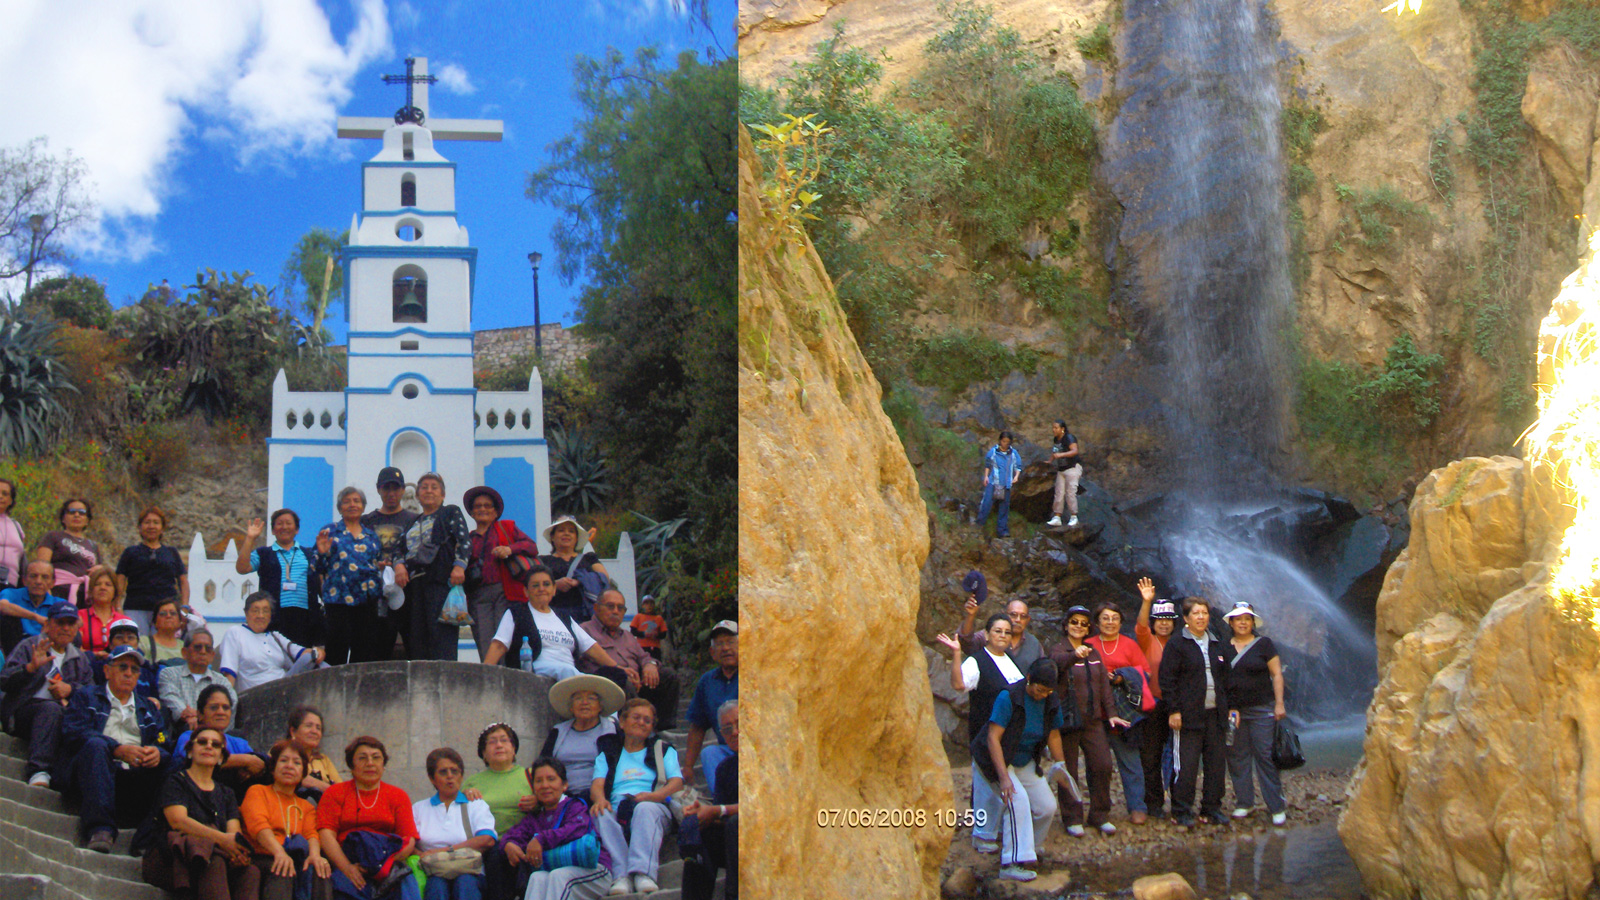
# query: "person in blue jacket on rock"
[[1002, 465]]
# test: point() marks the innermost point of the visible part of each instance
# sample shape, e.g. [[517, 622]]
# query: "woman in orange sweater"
[[1154, 626], [283, 829]]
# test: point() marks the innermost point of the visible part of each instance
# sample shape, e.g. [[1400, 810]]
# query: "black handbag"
[[1286, 747]]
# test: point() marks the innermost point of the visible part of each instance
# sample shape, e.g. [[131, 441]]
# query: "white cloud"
[[454, 79], [123, 85], [406, 15], [637, 13]]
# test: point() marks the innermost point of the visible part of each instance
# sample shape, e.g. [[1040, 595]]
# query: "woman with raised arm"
[[289, 573], [1152, 629], [352, 587], [984, 676]]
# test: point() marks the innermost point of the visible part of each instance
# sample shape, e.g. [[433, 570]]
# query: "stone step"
[[35, 887], [28, 853], [15, 789], [37, 831]]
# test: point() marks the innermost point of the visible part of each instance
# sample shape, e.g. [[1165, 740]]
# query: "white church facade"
[[409, 273]]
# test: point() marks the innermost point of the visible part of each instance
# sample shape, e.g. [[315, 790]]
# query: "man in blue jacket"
[[111, 754], [1001, 466]]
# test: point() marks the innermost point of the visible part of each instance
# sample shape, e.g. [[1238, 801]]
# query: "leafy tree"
[[647, 191], [32, 381], [77, 299], [313, 268], [35, 183], [225, 334]]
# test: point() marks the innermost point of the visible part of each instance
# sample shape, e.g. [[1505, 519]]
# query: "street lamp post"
[[36, 223], [538, 342]]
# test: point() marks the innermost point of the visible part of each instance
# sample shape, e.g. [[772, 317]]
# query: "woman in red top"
[[1119, 651], [367, 829], [105, 607], [1154, 626]]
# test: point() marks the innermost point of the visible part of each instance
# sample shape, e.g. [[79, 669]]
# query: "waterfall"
[[1194, 156]]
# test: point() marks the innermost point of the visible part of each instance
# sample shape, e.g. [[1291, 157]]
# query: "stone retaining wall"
[[413, 707], [499, 347]]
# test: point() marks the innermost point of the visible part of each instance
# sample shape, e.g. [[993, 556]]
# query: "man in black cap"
[[39, 676], [389, 522]]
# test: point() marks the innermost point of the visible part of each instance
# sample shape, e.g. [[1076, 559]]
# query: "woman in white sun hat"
[[1255, 689]]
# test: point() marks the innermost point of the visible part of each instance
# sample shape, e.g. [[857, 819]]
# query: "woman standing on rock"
[[1194, 681], [1083, 681], [983, 677], [1120, 654], [1255, 689]]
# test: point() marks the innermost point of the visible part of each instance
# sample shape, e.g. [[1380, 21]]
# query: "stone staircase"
[[40, 856]]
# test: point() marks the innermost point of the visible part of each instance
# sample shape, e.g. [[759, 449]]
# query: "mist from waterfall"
[[1195, 157]]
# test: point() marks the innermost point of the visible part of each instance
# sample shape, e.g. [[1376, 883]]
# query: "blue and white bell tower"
[[409, 273]]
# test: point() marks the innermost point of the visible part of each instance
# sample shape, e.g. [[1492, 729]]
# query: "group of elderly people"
[[219, 820], [1110, 696]]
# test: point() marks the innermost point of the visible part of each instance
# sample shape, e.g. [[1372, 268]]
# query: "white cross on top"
[[443, 129]]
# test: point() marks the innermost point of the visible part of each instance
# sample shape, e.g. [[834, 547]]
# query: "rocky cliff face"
[[1478, 778], [832, 537], [1391, 91]]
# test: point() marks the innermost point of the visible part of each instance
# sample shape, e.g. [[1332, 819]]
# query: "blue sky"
[[208, 128]]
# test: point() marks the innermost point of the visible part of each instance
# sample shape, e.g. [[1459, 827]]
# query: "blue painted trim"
[[433, 449], [411, 355], [226, 620], [402, 211], [408, 164], [419, 377], [522, 442], [320, 441], [441, 392], [363, 251], [410, 329]]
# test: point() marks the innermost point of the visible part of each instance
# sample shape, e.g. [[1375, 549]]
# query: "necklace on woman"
[[363, 804], [1111, 650], [278, 795]]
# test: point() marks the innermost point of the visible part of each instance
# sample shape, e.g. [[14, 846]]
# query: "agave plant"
[[578, 478], [651, 545], [31, 382]]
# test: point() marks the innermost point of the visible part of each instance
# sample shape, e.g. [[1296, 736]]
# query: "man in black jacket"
[[1194, 684]]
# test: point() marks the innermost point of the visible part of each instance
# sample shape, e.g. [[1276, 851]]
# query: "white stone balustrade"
[[317, 415]]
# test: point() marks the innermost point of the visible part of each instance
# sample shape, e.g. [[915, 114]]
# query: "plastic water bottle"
[[527, 658]]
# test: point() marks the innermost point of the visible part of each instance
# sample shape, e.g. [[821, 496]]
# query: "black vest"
[[980, 702], [610, 746], [271, 572]]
